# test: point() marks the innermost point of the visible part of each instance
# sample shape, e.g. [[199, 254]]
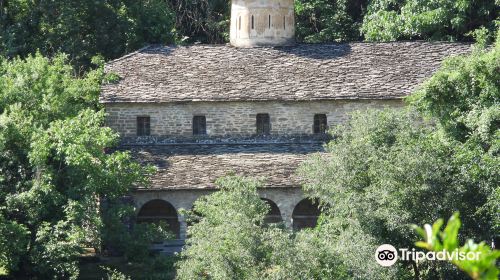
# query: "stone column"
[[182, 227], [287, 219]]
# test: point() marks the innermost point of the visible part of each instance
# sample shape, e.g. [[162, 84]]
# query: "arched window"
[[305, 214], [253, 26], [158, 210], [274, 215]]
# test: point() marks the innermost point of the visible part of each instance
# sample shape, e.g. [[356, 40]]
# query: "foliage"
[[484, 267], [229, 241], [391, 20], [464, 98], [13, 244], [112, 28], [54, 168], [154, 267], [205, 21], [83, 28], [141, 238], [55, 250], [222, 248], [385, 171], [328, 20], [114, 274]]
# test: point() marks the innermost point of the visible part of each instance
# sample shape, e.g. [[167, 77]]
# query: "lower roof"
[[302, 72], [195, 166]]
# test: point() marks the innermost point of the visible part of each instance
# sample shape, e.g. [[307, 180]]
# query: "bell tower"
[[262, 23]]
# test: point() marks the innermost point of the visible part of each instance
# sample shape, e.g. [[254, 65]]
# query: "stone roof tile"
[[195, 166], [301, 72]]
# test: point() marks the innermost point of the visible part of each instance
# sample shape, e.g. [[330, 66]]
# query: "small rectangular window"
[[320, 124], [269, 21], [253, 27], [284, 23], [263, 124], [199, 125], [143, 126]]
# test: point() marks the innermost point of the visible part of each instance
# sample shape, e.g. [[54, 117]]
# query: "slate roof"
[[301, 72], [198, 166]]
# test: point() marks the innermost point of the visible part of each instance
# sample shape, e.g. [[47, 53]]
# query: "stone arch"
[[157, 210], [305, 214], [274, 215]]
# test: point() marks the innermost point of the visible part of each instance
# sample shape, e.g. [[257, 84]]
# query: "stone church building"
[[258, 107]]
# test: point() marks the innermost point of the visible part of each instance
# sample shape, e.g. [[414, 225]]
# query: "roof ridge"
[[302, 44]]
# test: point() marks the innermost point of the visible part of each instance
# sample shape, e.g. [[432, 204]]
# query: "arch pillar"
[[182, 226], [287, 219], [285, 199]]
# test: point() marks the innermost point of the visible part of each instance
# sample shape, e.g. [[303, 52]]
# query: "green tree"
[[205, 21], [84, 28], [391, 20], [229, 240], [383, 172], [328, 20], [224, 243], [464, 98], [54, 166]]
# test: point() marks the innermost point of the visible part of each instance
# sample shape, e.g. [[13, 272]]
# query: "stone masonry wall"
[[234, 119]]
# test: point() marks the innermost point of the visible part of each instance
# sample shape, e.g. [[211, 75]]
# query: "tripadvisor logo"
[[387, 255]]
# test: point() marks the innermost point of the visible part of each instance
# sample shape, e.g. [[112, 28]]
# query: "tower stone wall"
[[262, 23]]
